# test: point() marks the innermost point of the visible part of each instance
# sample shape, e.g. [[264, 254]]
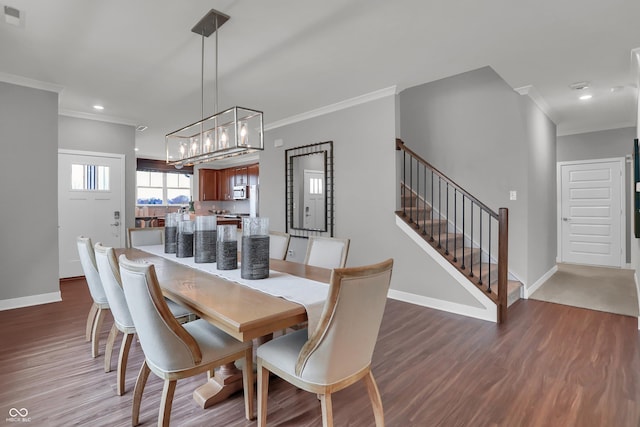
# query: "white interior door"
[[314, 200], [592, 212], [90, 203]]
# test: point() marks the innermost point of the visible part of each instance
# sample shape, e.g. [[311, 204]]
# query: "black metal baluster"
[[439, 211], [432, 196], [417, 207], [471, 238], [424, 224], [410, 188], [480, 273], [455, 224], [446, 229], [464, 215], [489, 275]]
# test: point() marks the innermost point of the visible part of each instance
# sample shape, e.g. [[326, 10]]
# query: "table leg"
[[226, 381]]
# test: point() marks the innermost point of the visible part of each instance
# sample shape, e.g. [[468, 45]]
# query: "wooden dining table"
[[242, 312]]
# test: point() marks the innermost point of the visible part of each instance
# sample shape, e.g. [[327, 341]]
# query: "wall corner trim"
[[535, 96], [527, 291], [9, 304], [362, 99]]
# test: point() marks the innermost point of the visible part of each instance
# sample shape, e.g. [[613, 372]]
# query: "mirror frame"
[[290, 154]]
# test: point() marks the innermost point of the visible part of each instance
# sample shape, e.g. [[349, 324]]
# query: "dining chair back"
[[278, 244], [173, 351], [327, 252], [110, 275], [100, 304], [145, 236], [339, 352]]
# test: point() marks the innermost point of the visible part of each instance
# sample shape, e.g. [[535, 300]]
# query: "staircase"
[[468, 234]]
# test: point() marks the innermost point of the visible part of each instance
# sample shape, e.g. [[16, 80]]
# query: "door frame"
[[623, 200], [123, 175]]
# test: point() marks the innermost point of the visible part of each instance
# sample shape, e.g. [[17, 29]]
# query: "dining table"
[[241, 311]]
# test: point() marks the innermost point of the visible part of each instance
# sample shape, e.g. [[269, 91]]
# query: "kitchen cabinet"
[[252, 173], [209, 184], [240, 176], [227, 181]]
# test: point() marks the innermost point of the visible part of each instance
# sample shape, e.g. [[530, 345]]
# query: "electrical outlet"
[[513, 195], [290, 252]]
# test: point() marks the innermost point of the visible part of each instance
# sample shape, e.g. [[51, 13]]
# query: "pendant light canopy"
[[232, 132]]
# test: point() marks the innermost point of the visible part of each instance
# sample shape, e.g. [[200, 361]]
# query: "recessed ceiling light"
[[579, 85], [585, 97], [141, 128], [98, 107], [136, 149]]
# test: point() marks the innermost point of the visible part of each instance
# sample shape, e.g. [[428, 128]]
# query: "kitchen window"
[[158, 183]]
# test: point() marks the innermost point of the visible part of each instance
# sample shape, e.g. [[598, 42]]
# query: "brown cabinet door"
[[252, 172], [208, 184], [240, 176], [227, 184]]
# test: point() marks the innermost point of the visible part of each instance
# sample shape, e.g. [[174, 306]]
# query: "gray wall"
[[365, 194], [92, 135], [490, 140], [29, 182], [604, 144]]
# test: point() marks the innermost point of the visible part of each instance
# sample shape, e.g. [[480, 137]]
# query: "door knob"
[[565, 219], [116, 223]]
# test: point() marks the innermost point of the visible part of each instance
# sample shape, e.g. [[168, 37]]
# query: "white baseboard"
[[531, 289], [9, 304], [448, 306]]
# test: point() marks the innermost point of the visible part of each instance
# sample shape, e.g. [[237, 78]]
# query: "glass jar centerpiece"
[[255, 248]]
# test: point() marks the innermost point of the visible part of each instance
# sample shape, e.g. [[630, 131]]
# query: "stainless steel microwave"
[[240, 192]]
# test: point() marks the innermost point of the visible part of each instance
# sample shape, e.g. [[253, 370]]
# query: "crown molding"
[[347, 103], [34, 84], [98, 117], [590, 129], [532, 92]]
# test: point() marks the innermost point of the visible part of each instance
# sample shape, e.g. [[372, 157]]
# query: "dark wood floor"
[[550, 365]]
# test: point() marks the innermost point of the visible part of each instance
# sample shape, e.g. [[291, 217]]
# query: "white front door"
[[592, 212], [90, 203], [314, 206]]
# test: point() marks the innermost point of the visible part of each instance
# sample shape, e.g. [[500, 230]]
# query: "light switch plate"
[[513, 195]]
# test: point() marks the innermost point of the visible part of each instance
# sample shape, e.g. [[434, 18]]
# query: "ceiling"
[[141, 61]]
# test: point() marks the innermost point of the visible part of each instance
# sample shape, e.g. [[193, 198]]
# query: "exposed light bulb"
[[243, 134]]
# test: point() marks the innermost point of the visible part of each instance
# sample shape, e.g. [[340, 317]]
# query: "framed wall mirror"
[[309, 189]]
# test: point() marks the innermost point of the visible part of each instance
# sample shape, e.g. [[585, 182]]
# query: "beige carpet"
[[611, 290]]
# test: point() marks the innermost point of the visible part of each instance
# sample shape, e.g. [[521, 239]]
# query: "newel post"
[[503, 262]]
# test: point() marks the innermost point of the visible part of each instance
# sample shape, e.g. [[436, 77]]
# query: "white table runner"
[[309, 293]]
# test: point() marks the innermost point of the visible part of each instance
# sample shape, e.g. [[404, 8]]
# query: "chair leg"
[[90, 320], [327, 410], [97, 326], [127, 339], [247, 383], [113, 333], [374, 396], [167, 400], [263, 391], [137, 393]]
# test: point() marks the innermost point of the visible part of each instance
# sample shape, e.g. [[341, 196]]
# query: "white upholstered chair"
[[339, 351], [278, 244], [174, 351], [100, 303], [327, 252], [108, 269], [145, 236]]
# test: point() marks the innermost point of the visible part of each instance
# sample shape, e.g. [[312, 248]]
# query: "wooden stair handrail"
[[401, 147], [503, 234]]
